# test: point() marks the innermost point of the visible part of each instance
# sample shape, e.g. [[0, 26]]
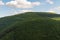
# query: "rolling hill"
[[30, 26]]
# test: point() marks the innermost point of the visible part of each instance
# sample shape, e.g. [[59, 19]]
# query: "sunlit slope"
[[56, 18]]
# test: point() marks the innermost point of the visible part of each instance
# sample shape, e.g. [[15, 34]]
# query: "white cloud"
[[13, 12], [36, 3], [51, 11], [1, 3], [22, 4], [22, 11], [50, 1], [55, 8]]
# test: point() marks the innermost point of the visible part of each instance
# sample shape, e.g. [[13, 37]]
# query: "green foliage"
[[30, 26]]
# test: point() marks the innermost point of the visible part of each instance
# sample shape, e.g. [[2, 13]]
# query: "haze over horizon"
[[12, 7]]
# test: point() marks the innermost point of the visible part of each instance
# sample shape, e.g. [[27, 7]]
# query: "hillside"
[[30, 26]]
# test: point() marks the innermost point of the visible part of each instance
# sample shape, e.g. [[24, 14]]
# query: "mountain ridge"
[[27, 23]]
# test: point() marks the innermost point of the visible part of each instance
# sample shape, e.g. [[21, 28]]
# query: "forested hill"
[[30, 26]]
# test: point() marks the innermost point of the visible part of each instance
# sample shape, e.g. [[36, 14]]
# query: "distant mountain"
[[30, 26]]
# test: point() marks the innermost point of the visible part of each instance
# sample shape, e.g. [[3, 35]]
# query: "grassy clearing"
[[56, 18]]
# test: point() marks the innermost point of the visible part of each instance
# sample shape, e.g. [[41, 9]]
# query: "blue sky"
[[7, 9]]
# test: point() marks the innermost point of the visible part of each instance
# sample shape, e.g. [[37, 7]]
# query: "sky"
[[13, 7]]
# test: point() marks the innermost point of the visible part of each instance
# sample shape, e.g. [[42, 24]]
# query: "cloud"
[[51, 11], [13, 12], [22, 11], [36, 3], [55, 8], [1, 3], [22, 4], [50, 1]]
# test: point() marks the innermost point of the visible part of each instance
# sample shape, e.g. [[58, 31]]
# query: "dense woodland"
[[30, 26]]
